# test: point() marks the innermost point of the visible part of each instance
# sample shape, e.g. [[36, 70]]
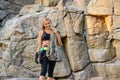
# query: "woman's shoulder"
[[41, 32], [55, 30]]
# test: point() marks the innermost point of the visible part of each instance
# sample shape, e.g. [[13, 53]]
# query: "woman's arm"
[[58, 38], [39, 41]]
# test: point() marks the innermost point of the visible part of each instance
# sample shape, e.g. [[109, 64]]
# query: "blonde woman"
[[44, 40]]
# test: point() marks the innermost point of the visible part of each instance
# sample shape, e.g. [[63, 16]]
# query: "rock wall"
[[10, 8], [90, 34]]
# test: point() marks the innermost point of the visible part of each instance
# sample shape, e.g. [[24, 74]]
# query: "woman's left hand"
[[54, 30]]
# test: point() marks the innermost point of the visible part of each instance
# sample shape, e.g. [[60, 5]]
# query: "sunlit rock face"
[[89, 30]]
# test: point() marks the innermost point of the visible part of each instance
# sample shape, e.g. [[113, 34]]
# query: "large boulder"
[[10, 8], [116, 44], [89, 30], [116, 7], [84, 74], [100, 55], [99, 7], [107, 70], [47, 2], [19, 42], [2, 14]]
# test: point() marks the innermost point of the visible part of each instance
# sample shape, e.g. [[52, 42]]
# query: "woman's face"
[[47, 24]]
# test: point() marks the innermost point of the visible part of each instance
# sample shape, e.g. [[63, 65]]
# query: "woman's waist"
[[46, 43], [44, 47]]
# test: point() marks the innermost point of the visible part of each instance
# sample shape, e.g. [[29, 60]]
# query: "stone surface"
[[78, 56], [3, 68], [47, 2], [116, 23], [89, 31], [98, 78], [82, 3], [109, 69], [116, 35], [16, 71], [116, 44], [84, 74], [97, 32], [99, 7], [23, 79], [116, 7], [2, 14], [99, 55], [80, 75], [112, 70], [97, 26], [64, 65], [75, 45], [116, 30], [99, 69], [24, 46], [32, 9], [24, 2], [16, 46], [108, 21], [103, 78], [10, 8], [7, 18]]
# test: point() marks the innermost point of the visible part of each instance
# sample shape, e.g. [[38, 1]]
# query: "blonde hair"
[[45, 19]]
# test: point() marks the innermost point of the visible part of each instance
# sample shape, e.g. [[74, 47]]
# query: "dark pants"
[[47, 65]]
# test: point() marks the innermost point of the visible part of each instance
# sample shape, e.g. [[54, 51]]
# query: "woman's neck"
[[48, 30]]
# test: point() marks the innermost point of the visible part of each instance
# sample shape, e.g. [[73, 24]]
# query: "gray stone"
[[116, 7], [99, 55], [3, 68], [32, 9], [47, 2], [116, 35], [77, 53], [99, 7], [85, 74], [116, 44], [8, 8], [24, 2], [112, 69], [21, 50], [2, 14], [64, 65], [99, 69], [94, 38], [98, 78], [116, 23], [23, 79], [7, 18]]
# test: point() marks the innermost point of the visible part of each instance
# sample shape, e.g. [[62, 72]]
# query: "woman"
[[44, 40]]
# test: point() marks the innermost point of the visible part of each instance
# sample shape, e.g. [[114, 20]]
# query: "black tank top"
[[45, 36]]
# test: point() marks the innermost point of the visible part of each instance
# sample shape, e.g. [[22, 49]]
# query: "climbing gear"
[[54, 51]]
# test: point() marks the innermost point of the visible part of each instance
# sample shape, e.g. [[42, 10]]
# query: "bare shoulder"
[[55, 31], [40, 32]]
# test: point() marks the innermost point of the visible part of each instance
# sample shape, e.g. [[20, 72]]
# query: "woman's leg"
[[42, 78], [44, 65], [49, 78], [51, 69]]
